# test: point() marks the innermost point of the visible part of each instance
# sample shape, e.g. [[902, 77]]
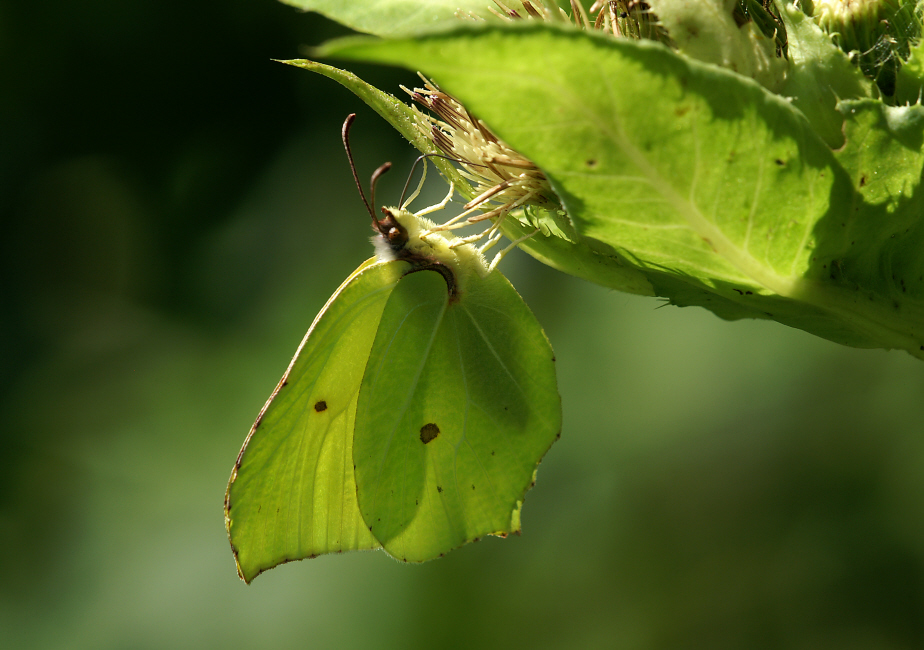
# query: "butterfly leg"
[[507, 249], [439, 206], [416, 192]]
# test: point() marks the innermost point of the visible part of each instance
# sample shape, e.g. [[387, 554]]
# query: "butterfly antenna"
[[345, 132], [384, 167]]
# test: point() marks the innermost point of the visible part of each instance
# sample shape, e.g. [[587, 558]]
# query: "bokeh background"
[[176, 209]]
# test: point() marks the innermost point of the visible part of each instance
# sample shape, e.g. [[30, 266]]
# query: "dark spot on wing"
[[320, 406], [428, 432]]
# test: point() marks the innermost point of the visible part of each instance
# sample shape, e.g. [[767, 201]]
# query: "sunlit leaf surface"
[[717, 189]]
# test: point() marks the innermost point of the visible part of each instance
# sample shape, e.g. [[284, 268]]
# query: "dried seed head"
[[501, 178], [621, 18]]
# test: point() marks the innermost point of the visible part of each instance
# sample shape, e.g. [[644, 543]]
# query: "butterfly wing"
[[458, 405], [292, 492]]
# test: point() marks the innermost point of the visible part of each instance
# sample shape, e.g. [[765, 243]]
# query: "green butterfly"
[[412, 417]]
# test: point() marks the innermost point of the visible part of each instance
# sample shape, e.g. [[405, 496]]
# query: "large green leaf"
[[406, 17], [820, 74], [706, 31], [879, 249], [564, 250], [716, 188], [909, 88], [396, 17]]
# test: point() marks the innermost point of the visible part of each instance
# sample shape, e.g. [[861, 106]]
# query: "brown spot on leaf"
[[320, 406], [439, 488], [428, 432]]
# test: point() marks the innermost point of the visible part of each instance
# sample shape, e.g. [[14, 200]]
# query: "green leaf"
[[879, 247], [707, 32], [697, 176], [884, 154], [909, 87], [395, 112], [820, 75], [566, 251], [590, 260], [458, 405], [396, 17]]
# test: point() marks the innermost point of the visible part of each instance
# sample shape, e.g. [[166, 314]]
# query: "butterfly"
[[412, 417]]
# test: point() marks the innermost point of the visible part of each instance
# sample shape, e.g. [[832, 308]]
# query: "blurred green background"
[[177, 208]]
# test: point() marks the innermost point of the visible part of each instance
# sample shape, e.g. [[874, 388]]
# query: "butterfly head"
[[391, 231], [402, 235]]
